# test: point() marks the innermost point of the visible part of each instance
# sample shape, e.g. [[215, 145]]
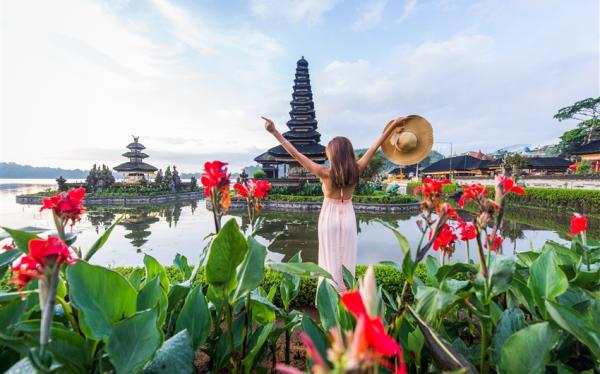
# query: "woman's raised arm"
[[364, 160], [316, 169]]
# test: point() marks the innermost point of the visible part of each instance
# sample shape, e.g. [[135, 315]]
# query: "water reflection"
[[163, 230]]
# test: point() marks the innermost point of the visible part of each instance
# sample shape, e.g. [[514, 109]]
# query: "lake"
[[163, 230]]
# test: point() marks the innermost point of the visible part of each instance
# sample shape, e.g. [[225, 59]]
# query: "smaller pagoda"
[[136, 170]]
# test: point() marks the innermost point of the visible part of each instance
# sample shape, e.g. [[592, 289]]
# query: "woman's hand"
[[399, 121], [269, 125]]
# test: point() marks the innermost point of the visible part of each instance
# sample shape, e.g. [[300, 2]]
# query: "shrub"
[[259, 174]]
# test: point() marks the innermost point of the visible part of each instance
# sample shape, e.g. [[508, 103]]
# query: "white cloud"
[[407, 10], [371, 14], [294, 11]]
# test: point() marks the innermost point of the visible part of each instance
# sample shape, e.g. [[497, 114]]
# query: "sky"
[[192, 78]]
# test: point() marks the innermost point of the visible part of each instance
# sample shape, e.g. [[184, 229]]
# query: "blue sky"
[[191, 78]]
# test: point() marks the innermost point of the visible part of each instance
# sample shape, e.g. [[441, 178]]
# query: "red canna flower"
[[42, 250], [466, 230], [431, 187], [215, 176], [475, 192], [578, 224], [496, 243], [25, 269], [445, 239], [448, 212], [573, 167], [508, 185], [68, 205], [370, 332], [9, 247]]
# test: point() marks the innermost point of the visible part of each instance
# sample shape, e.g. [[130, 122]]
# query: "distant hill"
[[13, 170]]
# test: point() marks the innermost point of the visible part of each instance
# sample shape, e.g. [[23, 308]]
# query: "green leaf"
[[546, 280], [582, 327], [10, 314], [587, 277], [501, 272], [102, 239], [21, 238], [432, 266], [444, 354], [10, 296], [527, 258], [251, 271], [512, 320], [263, 334], [289, 288], [6, 258], [452, 270], [181, 263], [316, 335], [349, 280], [301, 269], [195, 317], [134, 341], [155, 269], [152, 296], [175, 356], [528, 350], [431, 302], [327, 304], [257, 298], [102, 297], [135, 278], [408, 264], [227, 251]]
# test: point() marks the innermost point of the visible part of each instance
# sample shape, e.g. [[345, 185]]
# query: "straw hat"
[[410, 142]]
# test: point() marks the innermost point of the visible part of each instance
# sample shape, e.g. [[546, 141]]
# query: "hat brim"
[[424, 133]]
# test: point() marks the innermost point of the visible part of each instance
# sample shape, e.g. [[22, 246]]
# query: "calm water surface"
[[163, 230]]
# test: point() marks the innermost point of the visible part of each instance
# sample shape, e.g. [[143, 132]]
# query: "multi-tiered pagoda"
[[277, 162], [136, 169]]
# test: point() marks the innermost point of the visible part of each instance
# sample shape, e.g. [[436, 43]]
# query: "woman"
[[337, 222]]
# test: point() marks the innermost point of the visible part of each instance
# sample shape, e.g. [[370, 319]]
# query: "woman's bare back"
[[332, 192]]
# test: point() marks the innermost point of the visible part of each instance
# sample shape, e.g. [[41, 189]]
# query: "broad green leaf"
[[408, 264], [195, 317], [257, 298], [349, 279], [21, 238], [316, 335], [587, 276], [263, 334], [301, 269], [262, 313], [528, 350], [445, 355], [289, 288], [546, 280], [416, 342], [527, 258], [431, 302], [10, 314], [227, 251], [432, 266], [135, 278], [250, 273], [518, 288], [134, 341], [6, 258], [453, 286], [10, 296], [501, 272], [102, 239], [102, 297], [153, 296], [512, 320], [181, 263], [175, 356], [582, 327], [155, 269], [327, 304], [452, 270], [562, 255], [176, 296]]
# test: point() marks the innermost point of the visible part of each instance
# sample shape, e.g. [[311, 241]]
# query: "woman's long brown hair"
[[344, 169]]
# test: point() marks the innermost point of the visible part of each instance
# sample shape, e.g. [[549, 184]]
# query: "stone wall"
[[316, 206], [134, 200], [570, 182]]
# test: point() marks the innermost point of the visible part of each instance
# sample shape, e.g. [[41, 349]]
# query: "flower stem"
[[48, 309], [485, 336]]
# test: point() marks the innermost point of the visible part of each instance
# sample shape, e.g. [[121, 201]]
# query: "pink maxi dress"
[[337, 239]]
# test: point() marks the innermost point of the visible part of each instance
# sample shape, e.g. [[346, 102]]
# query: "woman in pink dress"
[[337, 221]]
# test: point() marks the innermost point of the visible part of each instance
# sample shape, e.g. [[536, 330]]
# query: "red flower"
[[9, 247], [42, 250], [26, 269], [496, 243], [508, 185], [466, 230], [445, 239], [578, 224], [66, 205], [262, 188], [474, 192], [370, 330], [431, 187], [573, 167], [215, 176], [448, 211]]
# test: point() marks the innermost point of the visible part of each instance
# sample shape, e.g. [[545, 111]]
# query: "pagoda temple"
[[277, 162], [135, 170]]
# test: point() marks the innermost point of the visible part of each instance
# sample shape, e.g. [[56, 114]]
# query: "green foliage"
[[584, 167], [586, 201], [62, 183], [259, 174], [373, 169], [446, 188], [586, 112]]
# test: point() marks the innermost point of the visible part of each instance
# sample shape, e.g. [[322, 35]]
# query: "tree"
[[92, 179], [62, 183], [193, 183], [106, 177], [584, 167], [586, 112], [158, 180], [176, 178], [168, 179], [259, 174], [373, 169], [517, 163]]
